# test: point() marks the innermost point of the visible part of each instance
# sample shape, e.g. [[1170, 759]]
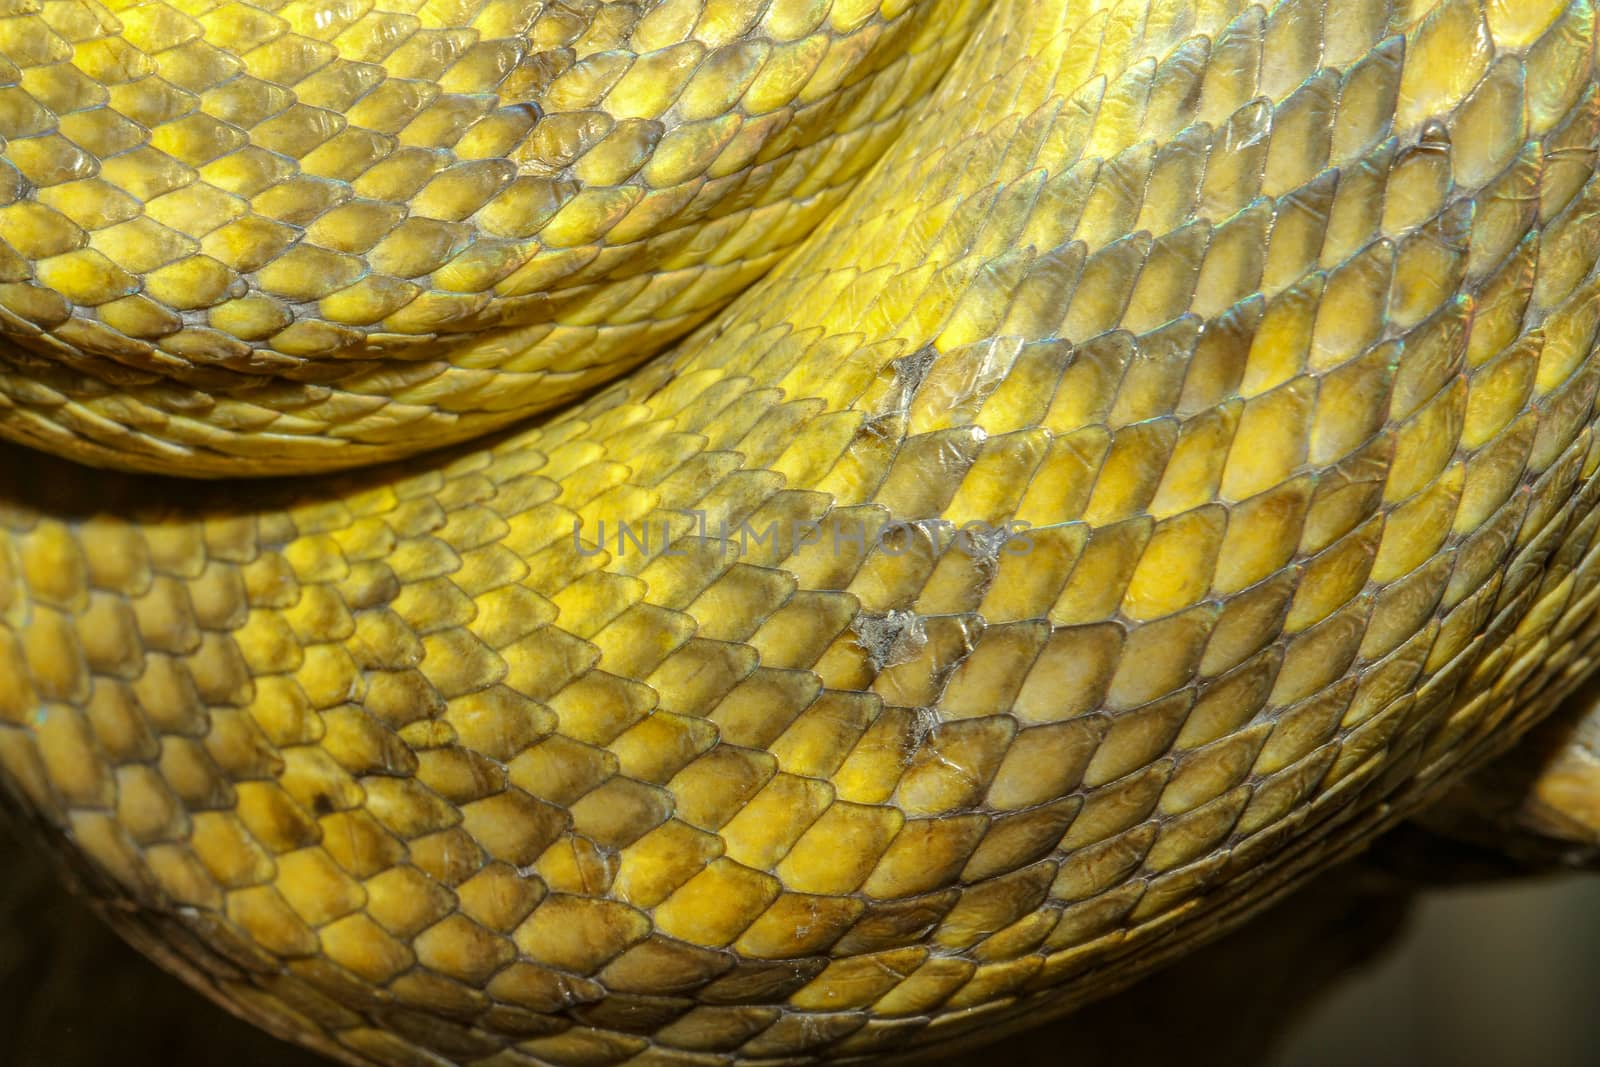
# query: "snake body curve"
[[1171, 463]]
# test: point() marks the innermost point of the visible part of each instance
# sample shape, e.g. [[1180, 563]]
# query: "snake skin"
[[1540, 804], [1247, 354], [288, 237]]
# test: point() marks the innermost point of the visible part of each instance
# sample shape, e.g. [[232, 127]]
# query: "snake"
[[720, 532]]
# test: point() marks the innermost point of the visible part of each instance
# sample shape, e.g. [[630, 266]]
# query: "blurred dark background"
[[1373, 964]]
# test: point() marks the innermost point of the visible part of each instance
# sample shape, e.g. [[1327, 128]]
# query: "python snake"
[[1150, 449]]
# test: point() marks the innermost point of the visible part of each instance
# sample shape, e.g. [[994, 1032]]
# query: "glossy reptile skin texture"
[[282, 238], [1258, 342]]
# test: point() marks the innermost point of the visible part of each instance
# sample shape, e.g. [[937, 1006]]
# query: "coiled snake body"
[[1157, 455]]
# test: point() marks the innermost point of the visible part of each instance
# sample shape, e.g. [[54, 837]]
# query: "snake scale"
[[1113, 458]]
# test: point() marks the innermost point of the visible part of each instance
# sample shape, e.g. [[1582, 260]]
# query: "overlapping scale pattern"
[[244, 239], [1172, 465], [1540, 804]]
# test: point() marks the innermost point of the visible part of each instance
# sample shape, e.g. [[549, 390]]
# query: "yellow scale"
[[1264, 336]]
